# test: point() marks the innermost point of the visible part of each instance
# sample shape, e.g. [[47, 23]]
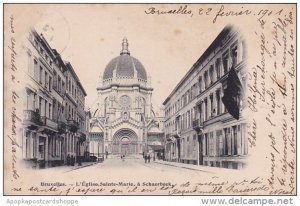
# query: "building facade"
[[124, 111], [198, 127], [50, 131]]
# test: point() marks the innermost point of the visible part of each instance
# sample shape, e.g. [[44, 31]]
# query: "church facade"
[[124, 117]]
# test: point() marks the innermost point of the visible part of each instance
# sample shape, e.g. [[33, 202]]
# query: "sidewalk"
[[66, 168], [83, 164], [201, 168]]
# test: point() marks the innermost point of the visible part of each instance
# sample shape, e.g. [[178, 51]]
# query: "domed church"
[[124, 121]]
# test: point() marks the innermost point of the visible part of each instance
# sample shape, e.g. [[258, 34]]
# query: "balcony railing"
[[48, 122], [197, 125], [32, 117]]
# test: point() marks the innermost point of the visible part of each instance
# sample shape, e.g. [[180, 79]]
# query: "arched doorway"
[[125, 142], [125, 146]]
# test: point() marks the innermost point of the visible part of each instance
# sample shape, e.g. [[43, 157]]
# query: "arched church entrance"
[[125, 142]]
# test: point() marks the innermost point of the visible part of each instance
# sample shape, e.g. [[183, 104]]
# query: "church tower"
[[124, 105]]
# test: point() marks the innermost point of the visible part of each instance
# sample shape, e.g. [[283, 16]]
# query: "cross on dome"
[[125, 47]]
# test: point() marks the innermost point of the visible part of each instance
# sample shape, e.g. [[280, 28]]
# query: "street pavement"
[[134, 168]]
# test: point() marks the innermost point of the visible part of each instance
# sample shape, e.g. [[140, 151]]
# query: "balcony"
[[73, 125], [197, 125], [169, 137], [52, 125], [32, 119], [62, 127], [176, 133], [82, 136]]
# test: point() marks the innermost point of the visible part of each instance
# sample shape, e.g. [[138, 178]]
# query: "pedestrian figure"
[[145, 158], [68, 160], [106, 153], [72, 160], [149, 158]]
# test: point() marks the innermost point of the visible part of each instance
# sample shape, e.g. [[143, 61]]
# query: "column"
[[232, 140], [46, 148], [229, 140], [243, 130], [30, 145], [239, 140], [37, 145]]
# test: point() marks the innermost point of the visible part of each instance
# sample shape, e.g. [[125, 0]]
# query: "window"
[[188, 119], [45, 109], [234, 55], [34, 101], [212, 109], [40, 105], [50, 83], [225, 62], [218, 68], [72, 89], [194, 142], [218, 102], [35, 66], [46, 79], [205, 80], [211, 74], [227, 143], [41, 75], [67, 86], [58, 84], [200, 84], [41, 50], [206, 109], [54, 80]]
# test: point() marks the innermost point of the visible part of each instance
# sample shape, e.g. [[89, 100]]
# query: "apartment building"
[[199, 129], [48, 120]]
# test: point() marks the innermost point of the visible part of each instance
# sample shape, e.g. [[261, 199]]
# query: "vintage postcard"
[[150, 99]]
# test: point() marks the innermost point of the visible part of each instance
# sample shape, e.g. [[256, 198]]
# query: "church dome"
[[125, 66]]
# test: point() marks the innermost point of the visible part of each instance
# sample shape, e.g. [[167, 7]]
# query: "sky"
[[89, 36]]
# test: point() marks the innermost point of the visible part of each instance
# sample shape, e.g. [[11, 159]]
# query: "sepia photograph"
[[149, 99]]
